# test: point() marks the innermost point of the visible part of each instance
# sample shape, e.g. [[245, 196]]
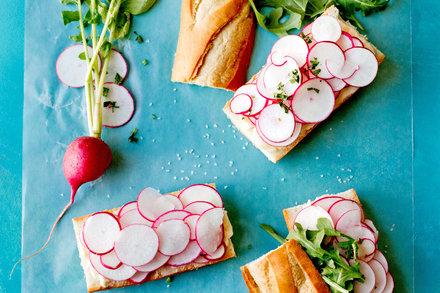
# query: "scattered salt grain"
[[264, 188], [339, 155], [322, 175], [317, 158], [174, 89], [283, 179], [150, 104], [212, 143], [215, 125], [225, 187]]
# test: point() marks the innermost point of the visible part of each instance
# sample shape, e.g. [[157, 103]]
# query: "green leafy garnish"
[[105, 91], [154, 116], [308, 39], [325, 255], [281, 16], [139, 38], [286, 109], [118, 78], [294, 76], [313, 89], [132, 137], [168, 280], [69, 16], [145, 62], [82, 56], [249, 246], [111, 105]]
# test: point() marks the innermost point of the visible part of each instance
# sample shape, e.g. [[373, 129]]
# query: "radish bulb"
[[85, 160]]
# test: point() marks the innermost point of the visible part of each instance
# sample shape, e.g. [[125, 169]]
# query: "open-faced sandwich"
[[154, 237], [306, 77], [331, 247]]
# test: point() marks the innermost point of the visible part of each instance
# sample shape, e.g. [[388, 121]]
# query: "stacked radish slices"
[[118, 104], [155, 231], [347, 216], [302, 77]]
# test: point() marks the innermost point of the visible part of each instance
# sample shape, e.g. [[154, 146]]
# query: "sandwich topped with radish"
[[305, 78], [331, 247]]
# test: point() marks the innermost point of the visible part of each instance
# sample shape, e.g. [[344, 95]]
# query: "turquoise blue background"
[[387, 135]]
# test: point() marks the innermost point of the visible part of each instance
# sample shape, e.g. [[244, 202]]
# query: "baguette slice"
[[215, 43], [288, 268], [274, 154], [96, 282]]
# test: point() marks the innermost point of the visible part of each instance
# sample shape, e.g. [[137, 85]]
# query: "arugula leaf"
[[69, 16], [136, 7], [123, 25], [65, 2], [272, 233]]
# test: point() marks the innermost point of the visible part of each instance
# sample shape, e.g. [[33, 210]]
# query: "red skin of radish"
[[85, 160]]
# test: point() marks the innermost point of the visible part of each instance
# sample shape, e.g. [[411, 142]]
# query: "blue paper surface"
[[366, 145]]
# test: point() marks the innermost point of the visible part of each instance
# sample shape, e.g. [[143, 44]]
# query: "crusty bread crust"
[[274, 154], [96, 282], [215, 43]]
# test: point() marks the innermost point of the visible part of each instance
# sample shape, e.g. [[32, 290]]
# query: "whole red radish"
[[85, 160]]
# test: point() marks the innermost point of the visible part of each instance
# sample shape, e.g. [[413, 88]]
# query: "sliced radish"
[[357, 42], [209, 230], [370, 224], [345, 41], [198, 207], [110, 260], [136, 245], [382, 259], [201, 260], [367, 249], [313, 101], [116, 65], [275, 124], [252, 119], [370, 279], [158, 261], [347, 70], [342, 206], [326, 202], [191, 220], [171, 215], [336, 84], [200, 192], [258, 101], [174, 236], [191, 252], [287, 142], [275, 80], [166, 203], [124, 272], [100, 231], [145, 202], [133, 217], [326, 28], [311, 41], [380, 275], [367, 64], [346, 224], [70, 69], [293, 46], [120, 106], [307, 29], [390, 284], [139, 277], [218, 254], [308, 217], [321, 53], [370, 233], [127, 207], [347, 220], [241, 104]]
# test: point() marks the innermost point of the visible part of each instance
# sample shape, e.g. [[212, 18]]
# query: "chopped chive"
[[132, 137], [145, 62], [118, 79]]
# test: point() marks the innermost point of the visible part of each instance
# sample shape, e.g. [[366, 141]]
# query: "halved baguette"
[[215, 43], [288, 268], [96, 282], [274, 154]]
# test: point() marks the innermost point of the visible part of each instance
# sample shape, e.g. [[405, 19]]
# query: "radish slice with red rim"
[[201, 260], [200, 192], [133, 217], [321, 53], [116, 65], [71, 70], [326, 28], [336, 84], [136, 245], [174, 237], [390, 284], [308, 217], [191, 220], [287, 142], [158, 261], [313, 101], [171, 215], [118, 106], [124, 272], [191, 252], [347, 70], [166, 203], [380, 275], [139, 277], [218, 254], [240, 104], [367, 63], [326, 202], [367, 249], [258, 101], [307, 29], [252, 119], [370, 279], [110, 260], [345, 41], [355, 231], [275, 124], [382, 259], [340, 207], [293, 46], [277, 81], [127, 207], [357, 42], [370, 224], [198, 207], [145, 202], [100, 231], [209, 230]]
